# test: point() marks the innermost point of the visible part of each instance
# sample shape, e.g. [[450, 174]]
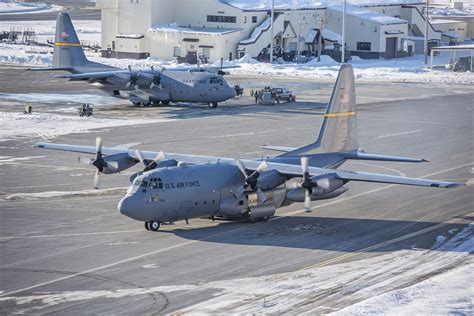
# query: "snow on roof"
[[279, 4], [442, 21], [451, 34], [332, 36], [308, 4], [174, 27], [367, 15], [384, 2], [310, 36], [457, 47], [258, 30], [134, 36]]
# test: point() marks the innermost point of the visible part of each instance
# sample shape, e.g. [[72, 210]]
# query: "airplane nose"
[[232, 93], [128, 206]]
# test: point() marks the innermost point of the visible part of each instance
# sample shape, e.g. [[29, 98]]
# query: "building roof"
[[308, 4], [368, 15], [174, 27], [279, 4]]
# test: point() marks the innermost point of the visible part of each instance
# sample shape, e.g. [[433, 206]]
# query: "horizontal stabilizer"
[[51, 69], [278, 148], [359, 155]]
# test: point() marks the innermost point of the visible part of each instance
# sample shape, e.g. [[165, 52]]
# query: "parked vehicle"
[[85, 110]]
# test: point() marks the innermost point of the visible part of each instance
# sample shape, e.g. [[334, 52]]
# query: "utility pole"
[[271, 31], [426, 31], [343, 56]]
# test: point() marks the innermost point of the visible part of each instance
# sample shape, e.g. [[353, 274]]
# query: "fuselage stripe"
[[67, 44]]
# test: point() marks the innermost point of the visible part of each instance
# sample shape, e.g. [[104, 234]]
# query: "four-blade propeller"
[[251, 180]]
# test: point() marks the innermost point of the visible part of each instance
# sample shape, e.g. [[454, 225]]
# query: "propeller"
[[133, 78], [98, 162], [251, 179], [307, 184], [156, 78], [150, 165]]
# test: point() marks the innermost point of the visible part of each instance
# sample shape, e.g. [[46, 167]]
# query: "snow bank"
[[48, 126]]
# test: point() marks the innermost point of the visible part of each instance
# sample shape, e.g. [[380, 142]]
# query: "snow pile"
[[63, 194], [8, 7], [48, 126], [67, 99]]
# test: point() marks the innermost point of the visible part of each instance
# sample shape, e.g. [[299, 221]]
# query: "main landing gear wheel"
[[212, 105], [153, 226]]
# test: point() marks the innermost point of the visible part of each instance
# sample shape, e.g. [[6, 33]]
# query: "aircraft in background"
[[204, 85], [174, 187]]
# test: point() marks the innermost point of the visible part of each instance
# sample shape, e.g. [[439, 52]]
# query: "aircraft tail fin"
[[339, 129], [68, 52]]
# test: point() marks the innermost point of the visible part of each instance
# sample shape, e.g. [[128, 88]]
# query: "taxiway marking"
[[238, 229], [399, 134]]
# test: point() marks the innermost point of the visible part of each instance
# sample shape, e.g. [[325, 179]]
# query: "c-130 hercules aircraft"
[[177, 186], [196, 85]]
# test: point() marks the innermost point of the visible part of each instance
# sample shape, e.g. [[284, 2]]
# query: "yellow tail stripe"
[[339, 114], [67, 44]]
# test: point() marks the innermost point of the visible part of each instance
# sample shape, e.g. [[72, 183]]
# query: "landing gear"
[[152, 226], [212, 105], [166, 102]]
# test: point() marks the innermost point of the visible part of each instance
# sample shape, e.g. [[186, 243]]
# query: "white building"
[[209, 30]]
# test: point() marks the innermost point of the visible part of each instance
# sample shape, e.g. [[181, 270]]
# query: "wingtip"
[[424, 160]]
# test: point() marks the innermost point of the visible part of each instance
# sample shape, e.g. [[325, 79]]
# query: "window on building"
[[206, 52], [364, 46], [113, 45], [177, 51], [245, 19], [254, 19], [221, 19]]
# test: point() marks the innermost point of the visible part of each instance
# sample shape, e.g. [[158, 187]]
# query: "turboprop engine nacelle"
[[117, 163], [268, 180], [297, 195]]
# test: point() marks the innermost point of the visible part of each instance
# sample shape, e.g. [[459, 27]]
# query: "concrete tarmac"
[[68, 243]]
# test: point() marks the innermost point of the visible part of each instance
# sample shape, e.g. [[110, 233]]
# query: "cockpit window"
[[144, 184]]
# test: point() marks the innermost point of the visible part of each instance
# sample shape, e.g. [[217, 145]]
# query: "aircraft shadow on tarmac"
[[184, 110], [325, 233]]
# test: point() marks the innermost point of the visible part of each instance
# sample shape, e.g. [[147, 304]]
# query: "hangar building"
[[208, 30]]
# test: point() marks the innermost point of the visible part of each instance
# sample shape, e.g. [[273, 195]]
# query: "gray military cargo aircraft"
[[177, 186], [197, 85]]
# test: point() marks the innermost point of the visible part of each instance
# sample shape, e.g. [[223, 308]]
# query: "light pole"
[[343, 55], [426, 31], [271, 31]]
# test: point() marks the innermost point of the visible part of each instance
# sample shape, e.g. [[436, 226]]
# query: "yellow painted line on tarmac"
[[339, 114]]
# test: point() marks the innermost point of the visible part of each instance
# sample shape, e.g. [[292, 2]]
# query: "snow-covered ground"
[[48, 126], [406, 282], [9, 7]]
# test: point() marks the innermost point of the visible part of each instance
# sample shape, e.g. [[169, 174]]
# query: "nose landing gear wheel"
[[154, 226], [147, 225]]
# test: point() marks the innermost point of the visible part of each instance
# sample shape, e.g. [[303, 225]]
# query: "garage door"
[[391, 47]]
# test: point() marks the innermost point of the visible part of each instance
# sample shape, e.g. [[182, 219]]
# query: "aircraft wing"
[[288, 170], [295, 171], [93, 75]]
